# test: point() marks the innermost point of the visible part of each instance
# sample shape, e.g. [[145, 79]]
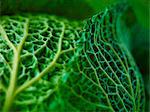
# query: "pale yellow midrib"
[[13, 77]]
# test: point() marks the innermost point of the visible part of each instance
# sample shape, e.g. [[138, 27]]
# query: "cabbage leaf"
[[48, 63]]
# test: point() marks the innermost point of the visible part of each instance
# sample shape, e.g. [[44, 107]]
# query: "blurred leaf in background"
[[140, 41], [142, 11], [76, 9]]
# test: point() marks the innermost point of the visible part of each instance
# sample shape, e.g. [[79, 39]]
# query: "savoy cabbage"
[[48, 63]]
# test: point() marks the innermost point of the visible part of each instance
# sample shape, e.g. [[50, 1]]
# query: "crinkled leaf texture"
[[106, 66], [49, 64], [34, 49]]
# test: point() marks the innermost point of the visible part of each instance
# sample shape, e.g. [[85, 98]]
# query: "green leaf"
[[51, 64], [105, 64], [34, 48]]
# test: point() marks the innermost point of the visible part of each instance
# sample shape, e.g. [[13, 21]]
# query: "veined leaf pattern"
[[48, 63], [106, 65]]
